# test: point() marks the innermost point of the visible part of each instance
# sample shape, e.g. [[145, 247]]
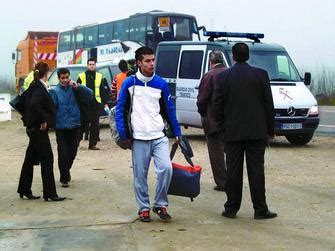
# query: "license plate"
[[290, 126]]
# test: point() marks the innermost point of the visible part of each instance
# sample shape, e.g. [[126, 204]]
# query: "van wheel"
[[168, 131], [299, 139]]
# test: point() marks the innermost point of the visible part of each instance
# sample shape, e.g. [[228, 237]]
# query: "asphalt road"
[[327, 120]]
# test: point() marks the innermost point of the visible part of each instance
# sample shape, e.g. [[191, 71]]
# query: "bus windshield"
[[119, 39]]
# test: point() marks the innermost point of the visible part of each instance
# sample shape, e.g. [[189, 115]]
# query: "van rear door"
[[191, 63]]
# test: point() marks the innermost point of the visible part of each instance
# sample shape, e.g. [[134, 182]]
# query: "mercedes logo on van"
[[291, 111]]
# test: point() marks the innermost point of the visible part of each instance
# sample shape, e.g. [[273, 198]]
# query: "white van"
[[182, 64]]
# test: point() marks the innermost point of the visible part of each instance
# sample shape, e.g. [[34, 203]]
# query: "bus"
[[115, 40]]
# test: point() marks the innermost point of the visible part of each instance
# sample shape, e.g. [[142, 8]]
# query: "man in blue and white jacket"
[[151, 102]]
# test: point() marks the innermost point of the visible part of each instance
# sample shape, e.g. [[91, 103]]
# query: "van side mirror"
[[13, 56], [307, 78]]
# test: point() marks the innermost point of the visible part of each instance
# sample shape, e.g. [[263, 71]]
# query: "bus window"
[[79, 38], [64, 41], [91, 34], [137, 29], [121, 30], [105, 33], [181, 28]]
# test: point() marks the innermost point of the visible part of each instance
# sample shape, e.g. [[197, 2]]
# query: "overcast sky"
[[304, 28]]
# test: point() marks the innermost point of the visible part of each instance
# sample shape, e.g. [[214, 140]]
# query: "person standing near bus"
[[67, 97], [213, 135], [119, 78], [39, 115], [150, 99], [93, 80], [246, 129]]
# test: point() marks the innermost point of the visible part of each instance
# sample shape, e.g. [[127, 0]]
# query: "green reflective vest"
[[28, 80], [97, 83]]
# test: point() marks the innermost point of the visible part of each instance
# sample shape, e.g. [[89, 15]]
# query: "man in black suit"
[[243, 108]]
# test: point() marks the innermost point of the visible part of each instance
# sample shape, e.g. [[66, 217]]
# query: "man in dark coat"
[[212, 132], [243, 108]]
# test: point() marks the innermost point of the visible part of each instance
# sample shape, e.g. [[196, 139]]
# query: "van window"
[[167, 64], [190, 66]]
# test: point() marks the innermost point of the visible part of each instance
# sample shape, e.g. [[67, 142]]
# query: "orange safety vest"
[[119, 78]]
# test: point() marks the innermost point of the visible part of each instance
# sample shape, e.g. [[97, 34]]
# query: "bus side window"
[[91, 34], [105, 33]]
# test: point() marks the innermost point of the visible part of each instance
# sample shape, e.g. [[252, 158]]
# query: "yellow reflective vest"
[[97, 83], [28, 80]]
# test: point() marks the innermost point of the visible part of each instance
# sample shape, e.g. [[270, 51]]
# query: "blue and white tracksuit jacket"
[[151, 104]]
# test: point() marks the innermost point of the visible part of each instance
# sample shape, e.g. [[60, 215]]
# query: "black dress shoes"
[[266, 215], [93, 148], [219, 188], [54, 198], [230, 215], [29, 196]]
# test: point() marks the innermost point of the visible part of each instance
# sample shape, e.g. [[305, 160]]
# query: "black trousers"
[[93, 119], [254, 151], [217, 158], [67, 145], [38, 151]]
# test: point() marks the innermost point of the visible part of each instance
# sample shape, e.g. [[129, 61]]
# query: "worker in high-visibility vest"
[[28, 80], [93, 80]]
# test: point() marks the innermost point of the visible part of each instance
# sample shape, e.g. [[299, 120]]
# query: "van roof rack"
[[217, 34]]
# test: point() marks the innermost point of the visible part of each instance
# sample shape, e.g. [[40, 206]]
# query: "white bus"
[[119, 39]]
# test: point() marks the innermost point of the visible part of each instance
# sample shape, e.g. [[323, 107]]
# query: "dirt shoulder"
[[101, 210]]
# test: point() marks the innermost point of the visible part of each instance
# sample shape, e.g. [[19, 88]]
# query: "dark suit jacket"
[[243, 104], [39, 107], [204, 99]]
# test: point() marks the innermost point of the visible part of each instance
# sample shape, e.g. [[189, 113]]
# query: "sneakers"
[[162, 213], [144, 216]]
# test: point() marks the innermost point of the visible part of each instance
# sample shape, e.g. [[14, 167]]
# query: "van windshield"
[[278, 65]]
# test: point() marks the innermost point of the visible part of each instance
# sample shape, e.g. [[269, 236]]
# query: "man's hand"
[[177, 139], [126, 144], [73, 84], [43, 126]]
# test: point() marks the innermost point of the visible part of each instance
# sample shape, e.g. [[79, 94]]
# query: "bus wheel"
[[299, 139]]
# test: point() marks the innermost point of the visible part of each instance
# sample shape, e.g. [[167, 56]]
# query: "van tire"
[[299, 139]]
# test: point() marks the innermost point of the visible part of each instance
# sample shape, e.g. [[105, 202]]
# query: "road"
[[327, 120], [101, 213]]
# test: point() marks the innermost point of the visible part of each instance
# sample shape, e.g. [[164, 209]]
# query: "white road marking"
[[329, 126]]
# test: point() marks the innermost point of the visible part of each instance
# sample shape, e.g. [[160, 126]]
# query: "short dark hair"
[[123, 65], [241, 52], [91, 59], [62, 71], [144, 50], [216, 57], [131, 62]]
